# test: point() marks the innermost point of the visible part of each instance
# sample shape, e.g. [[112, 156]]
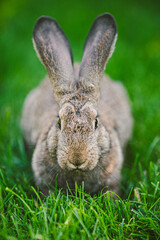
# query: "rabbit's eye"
[[59, 123], [96, 123]]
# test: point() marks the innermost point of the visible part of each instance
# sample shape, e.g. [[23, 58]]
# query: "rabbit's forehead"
[[76, 109]]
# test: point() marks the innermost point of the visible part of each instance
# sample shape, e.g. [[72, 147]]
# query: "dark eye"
[[96, 123], [59, 123]]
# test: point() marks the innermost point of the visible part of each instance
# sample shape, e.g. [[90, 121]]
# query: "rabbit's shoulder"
[[38, 107], [114, 108]]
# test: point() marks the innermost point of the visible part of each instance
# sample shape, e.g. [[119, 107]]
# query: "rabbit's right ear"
[[98, 49], [54, 51]]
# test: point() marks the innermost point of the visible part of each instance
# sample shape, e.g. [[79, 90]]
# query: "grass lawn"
[[136, 62]]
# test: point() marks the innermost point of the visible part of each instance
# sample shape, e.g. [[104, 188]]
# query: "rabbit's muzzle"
[[82, 156], [78, 161]]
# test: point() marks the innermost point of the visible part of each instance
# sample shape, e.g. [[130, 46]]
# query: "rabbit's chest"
[[91, 182]]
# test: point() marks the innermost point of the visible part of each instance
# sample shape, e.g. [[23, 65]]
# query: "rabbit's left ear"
[[53, 49], [98, 48]]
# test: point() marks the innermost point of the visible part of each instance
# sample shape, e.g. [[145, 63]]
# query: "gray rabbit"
[[78, 119]]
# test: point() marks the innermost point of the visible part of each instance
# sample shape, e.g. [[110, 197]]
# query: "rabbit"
[[78, 120]]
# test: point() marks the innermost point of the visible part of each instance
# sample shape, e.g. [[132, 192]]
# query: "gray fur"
[[88, 145]]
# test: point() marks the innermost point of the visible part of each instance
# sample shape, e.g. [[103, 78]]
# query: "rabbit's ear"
[[54, 51], [98, 48]]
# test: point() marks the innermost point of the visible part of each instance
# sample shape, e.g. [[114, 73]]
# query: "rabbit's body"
[[80, 139]]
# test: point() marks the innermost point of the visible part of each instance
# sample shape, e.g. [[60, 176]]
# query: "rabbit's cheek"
[[92, 157], [61, 158]]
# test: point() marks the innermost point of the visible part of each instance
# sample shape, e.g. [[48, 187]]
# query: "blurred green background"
[[135, 62]]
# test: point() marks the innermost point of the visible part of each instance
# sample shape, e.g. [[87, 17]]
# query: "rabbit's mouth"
[[78, 166]]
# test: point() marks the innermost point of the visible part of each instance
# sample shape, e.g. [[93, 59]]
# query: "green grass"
[[136, 61]]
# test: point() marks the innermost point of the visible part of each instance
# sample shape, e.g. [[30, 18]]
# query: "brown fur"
[[88, 145]]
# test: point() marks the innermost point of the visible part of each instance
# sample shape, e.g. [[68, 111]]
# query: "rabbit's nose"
[[77, 162]]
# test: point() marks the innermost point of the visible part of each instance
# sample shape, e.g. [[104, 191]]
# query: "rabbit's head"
[[77, 136]]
